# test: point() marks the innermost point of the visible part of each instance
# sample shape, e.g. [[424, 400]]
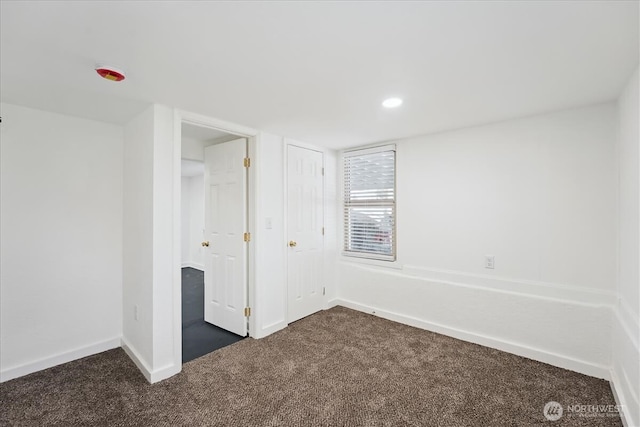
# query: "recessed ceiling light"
[[392, 103]]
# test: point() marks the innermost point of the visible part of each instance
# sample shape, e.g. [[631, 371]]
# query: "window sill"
[[373, 262]]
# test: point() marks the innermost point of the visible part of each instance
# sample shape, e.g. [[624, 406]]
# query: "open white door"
[[225, 271], [305, 222]]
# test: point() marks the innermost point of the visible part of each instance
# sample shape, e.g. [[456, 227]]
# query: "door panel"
[[305, 222], [225, 274]]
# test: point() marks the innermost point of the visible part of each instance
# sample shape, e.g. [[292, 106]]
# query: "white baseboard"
[[617, 387], [193, 265], [58, 359], [554, 359], [621, 384], [150, 375], [333, 303], [268, 330], [136, 358], [165, 372]]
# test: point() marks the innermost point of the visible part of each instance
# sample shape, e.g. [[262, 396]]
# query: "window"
[[370, 203]]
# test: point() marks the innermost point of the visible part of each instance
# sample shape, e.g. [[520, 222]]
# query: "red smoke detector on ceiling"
[[110, 73]]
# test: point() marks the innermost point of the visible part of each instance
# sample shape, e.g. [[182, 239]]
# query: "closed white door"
[[225, 264], [305, 232]]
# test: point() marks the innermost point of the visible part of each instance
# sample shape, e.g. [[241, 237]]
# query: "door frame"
[[180, 117], [291, 142]]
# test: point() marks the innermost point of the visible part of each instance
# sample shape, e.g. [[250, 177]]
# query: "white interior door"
[[305, 233], [225, 264]]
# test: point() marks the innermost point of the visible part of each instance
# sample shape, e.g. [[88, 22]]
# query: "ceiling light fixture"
[[392, 103], [110, 73]]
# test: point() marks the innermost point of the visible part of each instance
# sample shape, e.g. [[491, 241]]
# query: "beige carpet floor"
[[334, 368]]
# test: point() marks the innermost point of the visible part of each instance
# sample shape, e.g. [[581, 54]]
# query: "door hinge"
[[322, 171], [323, 231], [247, 311], [247, 237], [247, 162], [324, 291]]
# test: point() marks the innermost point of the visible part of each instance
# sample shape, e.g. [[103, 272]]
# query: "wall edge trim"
[[574, 295]]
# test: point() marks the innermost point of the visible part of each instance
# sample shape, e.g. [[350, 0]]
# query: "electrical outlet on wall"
[[489, 262]]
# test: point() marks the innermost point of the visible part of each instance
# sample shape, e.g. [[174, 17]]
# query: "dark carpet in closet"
[[199, 337]]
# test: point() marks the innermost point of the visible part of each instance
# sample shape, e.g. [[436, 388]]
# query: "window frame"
[[369, 257]]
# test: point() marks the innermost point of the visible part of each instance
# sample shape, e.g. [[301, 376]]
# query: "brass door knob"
[[205, 244], [292, 244]]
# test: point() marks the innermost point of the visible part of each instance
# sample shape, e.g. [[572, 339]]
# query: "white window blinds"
[[370, 203]]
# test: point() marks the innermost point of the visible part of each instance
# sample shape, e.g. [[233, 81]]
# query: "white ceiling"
[[318, 71]]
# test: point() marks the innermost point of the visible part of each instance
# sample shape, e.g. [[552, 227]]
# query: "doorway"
[[305, 231], [213, 265]]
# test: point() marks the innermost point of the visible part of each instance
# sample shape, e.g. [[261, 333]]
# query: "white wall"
[[269, 303], [166, 346], [192, 221], [61, 239], [149, 271], [538, 194], [626, 327], [138, 238]]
